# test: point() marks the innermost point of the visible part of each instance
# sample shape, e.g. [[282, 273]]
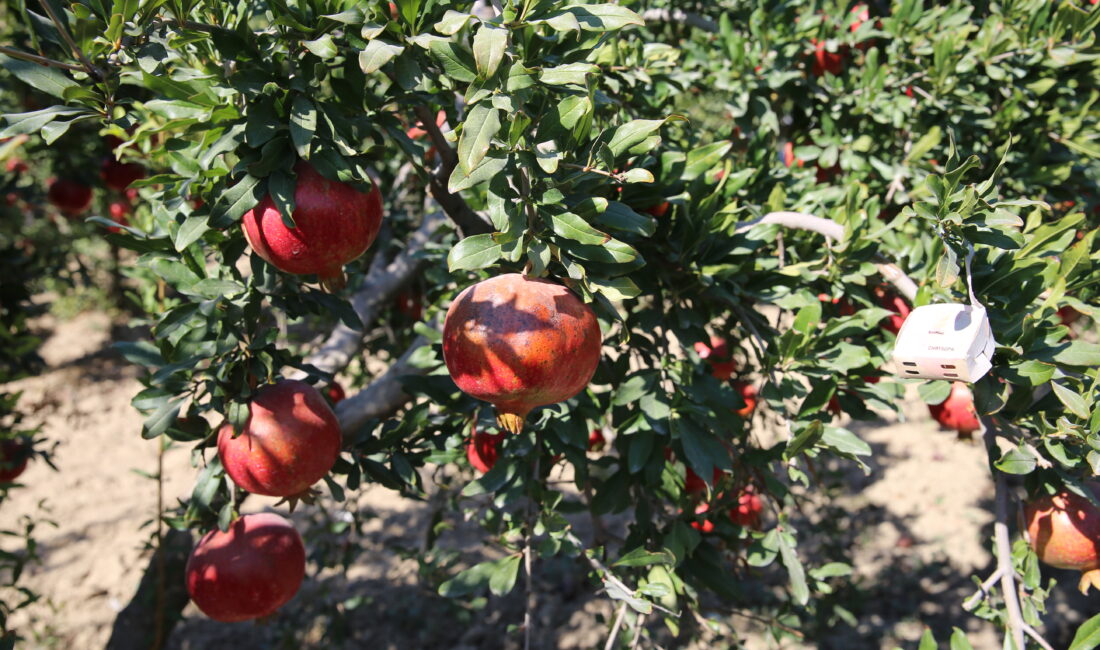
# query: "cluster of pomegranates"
[[722, 366], [746, 511], [73, 197], [290, 440]]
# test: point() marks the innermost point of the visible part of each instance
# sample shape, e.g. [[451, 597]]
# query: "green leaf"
[[492, 165], [569, 73], [503, 576], [481, 124], [616, 289], [804, 439], [705, 158], [23, 123], [632, 133], [1087, 636], [452, 22], [927, 641], [604, 17], [797, 574], [237, 200], [1016, 461], [469, 581], [474, 252], [1072, 401], [642, 557], [322, 47], [376, 54], [457, 62], [303, 123], [46, 79], [190, 231], [959, 640], [159, 421], [571, 226], [490, 43]]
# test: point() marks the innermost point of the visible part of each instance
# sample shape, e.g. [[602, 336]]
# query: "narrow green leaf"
[[490, 43], [1072, 401], [49, 80], [481, 124], [376, 54], [474, 252], [1087, 636], [571, 226]]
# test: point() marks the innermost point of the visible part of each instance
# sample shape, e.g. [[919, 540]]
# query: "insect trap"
[[946, 341]]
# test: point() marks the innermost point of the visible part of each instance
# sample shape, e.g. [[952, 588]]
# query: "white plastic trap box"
[[947, 341]]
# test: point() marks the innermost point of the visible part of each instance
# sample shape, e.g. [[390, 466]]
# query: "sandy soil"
[[923, 508]]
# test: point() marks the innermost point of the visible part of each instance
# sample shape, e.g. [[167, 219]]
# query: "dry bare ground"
[[922, 516]]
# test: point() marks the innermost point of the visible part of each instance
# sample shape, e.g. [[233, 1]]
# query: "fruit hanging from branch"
[[247, 572], [70, 196], [717, 354], [957, 411], [1064, 531], [519, 343], [119, 175], [334, 223], [289, 442], [483, 449]]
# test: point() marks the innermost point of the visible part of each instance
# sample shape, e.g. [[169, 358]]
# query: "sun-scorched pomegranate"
[[247, 572], [334, 223], [290, 441], [518, 343], [1064, 530]]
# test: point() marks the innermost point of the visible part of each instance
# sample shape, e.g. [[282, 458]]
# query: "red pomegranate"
[[894, 303], [694, 483], [1068, 315], [335, 393], [861, 14], [247, 572], [748, 393], [520, 342], [702, 523], [1065, 533], [596, 441], [14, 454], [118, 175], [482, 450], [717, 354], [957, 411], [334, 224], [409, 303], [843, 307], [119, 211], [15, 166], [659, 210], [747, 511], [290, 441], [825, 61], [70, 196]]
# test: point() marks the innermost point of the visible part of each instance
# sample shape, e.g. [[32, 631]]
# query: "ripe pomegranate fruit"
[[694, 483], [483, 449], [247, 572], [747, 511], [518, 343], [717, 354], [119, 211], [957, 411], [596, 441], [843, 307], [748, 393], [290, 441], [894, 303], [335, 393], [14, 454], [1068, 315], [334, 223], [825, 61], [118, 175], [16, 166], [70, 196], [1064, 530], [703, 524], [409, 303], [659, 210]]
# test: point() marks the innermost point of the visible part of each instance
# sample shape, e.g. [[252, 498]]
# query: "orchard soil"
[[915, 527]]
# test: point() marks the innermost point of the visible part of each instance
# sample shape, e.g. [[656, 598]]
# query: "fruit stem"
[[1089, 579], [511, 422], [333, 283]]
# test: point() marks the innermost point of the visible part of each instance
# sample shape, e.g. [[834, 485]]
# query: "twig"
[[1038, 637], [615, 628], [639, 621], [895, 185], [983, 590], [678, 16], [1002, 540], [41, 60], [528, 562], [382, 396], [64, 31]]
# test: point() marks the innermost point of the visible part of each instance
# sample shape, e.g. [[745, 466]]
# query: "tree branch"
[[468, 221], [677, 16], [384, 394], [380, 288], [833, 230], [41, 60], [1002, 540], [63, 29]]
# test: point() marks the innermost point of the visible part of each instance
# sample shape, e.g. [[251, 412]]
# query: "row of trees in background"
[[745, 200]]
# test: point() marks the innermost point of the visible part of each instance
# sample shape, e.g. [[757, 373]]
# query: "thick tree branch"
[[468, 221], [833, 230], [678, 16], [384, 395], [380, 288]]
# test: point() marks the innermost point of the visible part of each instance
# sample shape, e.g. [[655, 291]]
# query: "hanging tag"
[[946, 341]]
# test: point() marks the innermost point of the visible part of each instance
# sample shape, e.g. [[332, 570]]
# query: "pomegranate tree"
[[518, 343], [289, 442], [334, 223], [248, 571], [1064, 531]]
